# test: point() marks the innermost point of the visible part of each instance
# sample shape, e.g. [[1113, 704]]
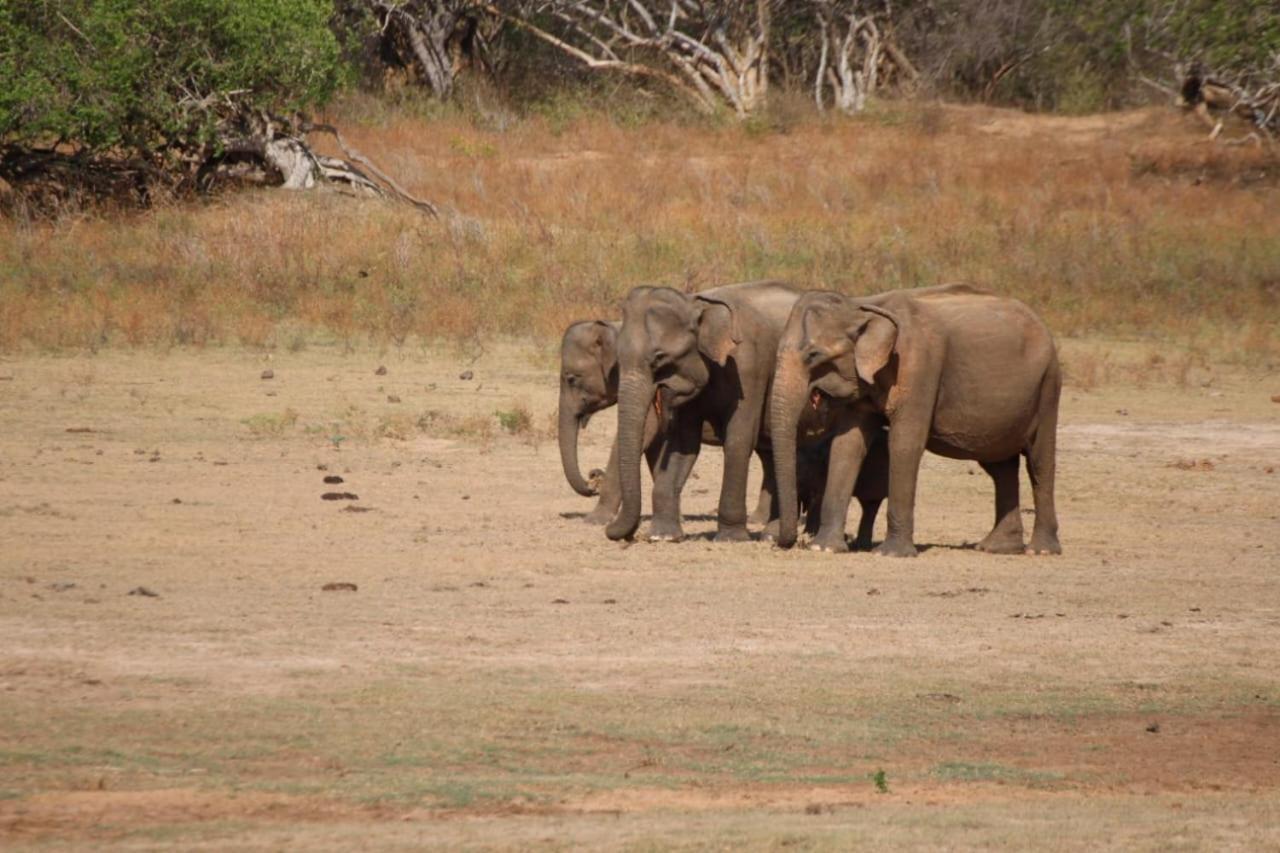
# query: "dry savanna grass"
[[1127, 225]]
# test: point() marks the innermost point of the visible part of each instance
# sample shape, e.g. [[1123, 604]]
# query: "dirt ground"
[[173, 671]]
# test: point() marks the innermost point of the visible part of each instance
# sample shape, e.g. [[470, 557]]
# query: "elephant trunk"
[[570, 424], [635, 399], [790, 387]]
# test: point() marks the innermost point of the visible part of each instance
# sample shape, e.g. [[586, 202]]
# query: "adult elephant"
[[589, 384], [696, 359], [952, 369]]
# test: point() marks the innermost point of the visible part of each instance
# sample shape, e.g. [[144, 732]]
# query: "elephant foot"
[[663, 530], [1044, 544], [732, 534], [862, 544], [600, 515], [997, 542], [758, 516], [830, 543], [770, 532], [895, 548]]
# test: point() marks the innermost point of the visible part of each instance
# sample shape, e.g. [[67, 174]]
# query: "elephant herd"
[[838, 396]]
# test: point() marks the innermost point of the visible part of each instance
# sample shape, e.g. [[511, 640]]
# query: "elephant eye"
[[813, 356], [571, 380]]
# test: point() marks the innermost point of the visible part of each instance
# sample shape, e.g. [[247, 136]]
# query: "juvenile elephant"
[[589, 384], [697, 359], [959, 371], [870, 489]]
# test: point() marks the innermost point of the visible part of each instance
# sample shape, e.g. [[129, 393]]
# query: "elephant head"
[[667, 346], [834, 350], [588, 383]]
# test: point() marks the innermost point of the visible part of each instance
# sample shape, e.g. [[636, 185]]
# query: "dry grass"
[[1125, 225]]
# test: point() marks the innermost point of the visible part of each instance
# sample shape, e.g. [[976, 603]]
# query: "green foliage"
[[881, 780], [147, 76]]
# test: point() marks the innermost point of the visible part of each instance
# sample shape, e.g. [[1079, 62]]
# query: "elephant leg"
[[739, 442], [671, 460], [1041, 464], [867, 524], [848, 450], [767, 506], [907, 437], [610, 492], [1006, 535]]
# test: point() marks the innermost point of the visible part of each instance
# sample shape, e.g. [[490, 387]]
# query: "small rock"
[[381, 371], [392, 398], [611, 601], [177, 500], [559, 601], [333, 479], [873, 591], [354, 508], [268, 374], [62, 586], [339, 586], [339, 496], [144, 591], [466, 375], [466, 497], [1154, 728]]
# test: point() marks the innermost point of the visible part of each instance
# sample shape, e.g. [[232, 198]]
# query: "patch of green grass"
[[271, 425], [517, 420], [963, 771]]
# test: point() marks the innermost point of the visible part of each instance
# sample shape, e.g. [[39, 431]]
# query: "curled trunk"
[[635, 398], [785, 407], [569, 426]]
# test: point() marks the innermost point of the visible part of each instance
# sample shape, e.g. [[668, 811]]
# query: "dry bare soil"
[[173, 671]]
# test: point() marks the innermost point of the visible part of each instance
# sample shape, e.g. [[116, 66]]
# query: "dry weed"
[[552, 221]]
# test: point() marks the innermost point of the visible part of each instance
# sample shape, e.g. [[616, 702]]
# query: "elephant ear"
[[606, 345], [718, 333], [874, 341]]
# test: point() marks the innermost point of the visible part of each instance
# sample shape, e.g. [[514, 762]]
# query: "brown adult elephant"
[[698, 359], [952, 369], [589, 384]]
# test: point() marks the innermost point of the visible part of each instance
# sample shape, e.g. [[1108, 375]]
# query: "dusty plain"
[[173, 673]]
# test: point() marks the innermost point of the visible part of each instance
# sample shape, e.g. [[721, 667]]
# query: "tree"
[[856, 54], [714, 53], [432, 37]]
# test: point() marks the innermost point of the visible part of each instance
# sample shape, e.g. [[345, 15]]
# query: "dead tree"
[[1209, 96], [714, 53], [431, 36]]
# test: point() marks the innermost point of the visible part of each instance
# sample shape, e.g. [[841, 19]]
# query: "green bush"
[[154, 78]]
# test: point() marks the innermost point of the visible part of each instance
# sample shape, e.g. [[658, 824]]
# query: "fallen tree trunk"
[[252, 147]]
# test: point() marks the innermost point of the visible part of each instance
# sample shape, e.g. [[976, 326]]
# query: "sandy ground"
[[173, 672]]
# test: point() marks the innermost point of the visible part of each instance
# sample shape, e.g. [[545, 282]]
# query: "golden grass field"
[[1126, 224], [503, 677]]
